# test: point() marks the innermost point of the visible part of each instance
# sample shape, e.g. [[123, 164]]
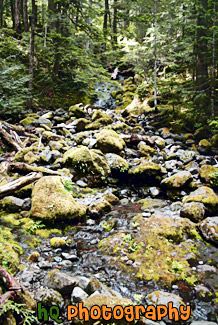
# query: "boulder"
[[110, 141], [87, 163], [203, 195], [178, 180], [209, 175], [145, 150], [60, 281], [78, 294], [118, 165], [50, 200], [49, 297], [209, 229], [12, 204], [76, 111], [195, 211], [145, 170], [204, 147]]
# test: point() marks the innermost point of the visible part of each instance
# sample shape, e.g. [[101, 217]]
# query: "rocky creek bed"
[[114, 211]]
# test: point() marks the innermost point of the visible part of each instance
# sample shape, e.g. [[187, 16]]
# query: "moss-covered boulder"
[[76, 111], [98, 208], [28, 121], [87, 163], [99, 115], [209, 175], [214, 141], [159, 251], [110, 141], [152, 203], [81, 124], [204, 147], [203, 195], [51, 201], [9, 251], [103, 300], [195, 211], [160, 142], [60, 281], [118, 165], [27, 155], [49, 297], [145, 171], [145, 150], [209, 229], [202, 133], [178, 180]]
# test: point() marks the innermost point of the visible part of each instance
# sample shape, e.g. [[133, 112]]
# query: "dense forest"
[[53, 53], [109, 162]]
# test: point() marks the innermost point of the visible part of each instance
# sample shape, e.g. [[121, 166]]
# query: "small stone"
[[44, 265], [81, 184], [66, 264], [78, 295], [71, 257]]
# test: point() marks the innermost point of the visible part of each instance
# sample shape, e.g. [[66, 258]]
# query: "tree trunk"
[[12, 13], [115, 23], [2, 12], [213, 77], [17, 16], [25, 16], [202, 46], [31, 59]]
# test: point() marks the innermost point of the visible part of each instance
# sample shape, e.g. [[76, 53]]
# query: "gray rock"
[[26, 204], [46, 155], [11, 204], [44, 265], [67, 265], [83, 282], [71, 257], [78, 294], [42, 120], [195, 211], [203, 293], [27, 276], [60, 281], [209, 229], [206, 268], [49, 297]]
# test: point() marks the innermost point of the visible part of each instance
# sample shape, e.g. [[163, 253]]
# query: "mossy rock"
[[202, 133], [146, 171], [99, 114], [27, 155], [203, 195], [81, 124], [195, 211], [178, 180], [121, 127], [209, 229], [118, 165], [188, 136], [76, 111], [160, 250], [152, 203], [209, 175], [110, 141], [146, 150], [28, 121], [103, 300], [87, 163], [9, 251], [204, 147], [57, 242], [51, 201]]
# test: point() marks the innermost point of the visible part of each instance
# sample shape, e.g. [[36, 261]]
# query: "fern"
[[27, 315]]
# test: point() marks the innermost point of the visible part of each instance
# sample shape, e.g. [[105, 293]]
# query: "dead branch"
[[19, 183], [28, 168]]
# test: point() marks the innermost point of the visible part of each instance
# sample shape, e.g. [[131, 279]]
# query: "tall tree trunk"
[[17, 16], [12, 13], [213, 77], [126, 21], [25, 16], [32, 46], [202, 46], [115, 23], [2, 12], [155, 58]]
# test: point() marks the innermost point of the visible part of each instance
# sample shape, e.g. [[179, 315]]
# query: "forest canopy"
[[54, 52]]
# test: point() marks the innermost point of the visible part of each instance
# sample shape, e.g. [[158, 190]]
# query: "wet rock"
[[103, 300], [88, 163], [60, 281], [178, 180], [78, 295], [204, 147], [209, 229], [194, 211], [50, 200], [203, 195], [209, 175], [76, 111], [109, 141], [203, 293], [12, 204], [49, 297]]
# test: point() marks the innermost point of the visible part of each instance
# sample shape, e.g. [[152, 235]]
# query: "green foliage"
[[26, 315], [35, 225]]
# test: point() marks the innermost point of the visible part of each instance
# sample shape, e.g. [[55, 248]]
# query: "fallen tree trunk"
[[19, 183], [28, 168]]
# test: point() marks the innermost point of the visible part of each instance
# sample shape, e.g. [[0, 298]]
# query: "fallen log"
[[11, 138], [19, 183], [28, 168]]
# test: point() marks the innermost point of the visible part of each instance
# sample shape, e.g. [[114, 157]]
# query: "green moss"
[[154, 250], [28, 121], [46, 233], [110, 141], [209, 174]]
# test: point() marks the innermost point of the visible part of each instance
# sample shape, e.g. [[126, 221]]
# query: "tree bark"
[[25, 16], [12, 13], [17, 16], [2, 12], [31, 58], [115, 23], [202, 46]]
